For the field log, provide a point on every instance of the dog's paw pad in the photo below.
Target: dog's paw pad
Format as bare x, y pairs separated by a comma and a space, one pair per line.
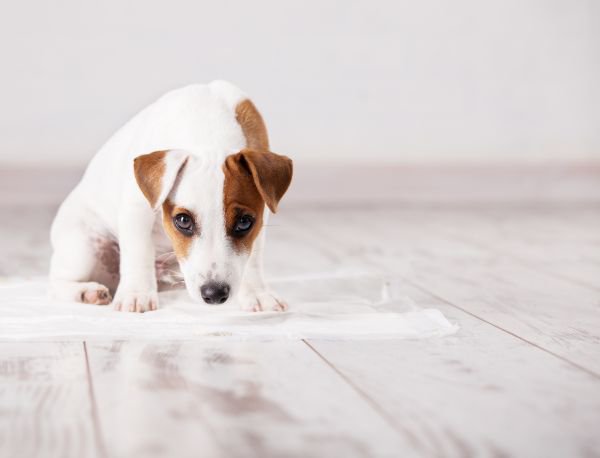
135, 302
97, 295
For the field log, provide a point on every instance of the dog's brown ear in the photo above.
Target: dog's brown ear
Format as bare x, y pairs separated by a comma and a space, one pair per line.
271, 172
157, 172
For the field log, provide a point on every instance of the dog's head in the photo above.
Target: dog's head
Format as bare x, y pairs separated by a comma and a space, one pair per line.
213, 212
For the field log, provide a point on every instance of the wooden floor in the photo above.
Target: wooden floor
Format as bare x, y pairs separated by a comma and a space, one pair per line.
520, 378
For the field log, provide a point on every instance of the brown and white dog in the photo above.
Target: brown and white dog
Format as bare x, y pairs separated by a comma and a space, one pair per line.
180, 194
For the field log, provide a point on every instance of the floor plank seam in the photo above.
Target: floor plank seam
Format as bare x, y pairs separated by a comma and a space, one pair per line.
523, 262
550, 352
361, 393
95, 417
326, 237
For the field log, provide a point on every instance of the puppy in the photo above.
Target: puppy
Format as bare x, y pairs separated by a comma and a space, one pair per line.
179, 195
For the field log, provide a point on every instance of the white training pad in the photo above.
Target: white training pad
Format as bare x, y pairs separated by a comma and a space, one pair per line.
367, 308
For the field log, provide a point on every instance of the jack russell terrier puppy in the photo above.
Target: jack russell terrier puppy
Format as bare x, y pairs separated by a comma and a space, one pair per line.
180, 194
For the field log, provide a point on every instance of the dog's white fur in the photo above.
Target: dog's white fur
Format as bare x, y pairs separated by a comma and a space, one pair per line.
107, 210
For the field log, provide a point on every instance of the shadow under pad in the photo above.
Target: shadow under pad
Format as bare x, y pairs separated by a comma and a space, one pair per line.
321, 307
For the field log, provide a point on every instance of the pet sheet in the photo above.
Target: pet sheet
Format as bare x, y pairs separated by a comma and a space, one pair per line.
324, 306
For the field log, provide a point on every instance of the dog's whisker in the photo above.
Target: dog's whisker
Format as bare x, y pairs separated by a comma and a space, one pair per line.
167, 255
177, 272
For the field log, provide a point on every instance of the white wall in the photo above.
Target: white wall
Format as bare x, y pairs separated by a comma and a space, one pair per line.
398, 81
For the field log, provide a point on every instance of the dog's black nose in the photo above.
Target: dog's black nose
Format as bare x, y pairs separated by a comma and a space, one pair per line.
214, 292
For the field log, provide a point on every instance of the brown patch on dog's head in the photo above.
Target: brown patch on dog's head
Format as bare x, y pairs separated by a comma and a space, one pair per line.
252, 125
253, 179
181, 242
240, 197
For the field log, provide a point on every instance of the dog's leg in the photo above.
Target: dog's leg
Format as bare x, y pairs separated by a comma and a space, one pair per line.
74, 259
137, 291
254, 293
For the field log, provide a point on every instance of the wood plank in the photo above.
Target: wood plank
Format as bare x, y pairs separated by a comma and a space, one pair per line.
480, 392
561, 242
555, 314
25, 240
231, 399
551, 313
45, 405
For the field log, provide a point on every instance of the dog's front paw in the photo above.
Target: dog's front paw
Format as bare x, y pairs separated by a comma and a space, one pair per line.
262, 301
135, 301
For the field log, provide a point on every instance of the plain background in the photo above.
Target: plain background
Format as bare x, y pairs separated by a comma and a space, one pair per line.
467, 81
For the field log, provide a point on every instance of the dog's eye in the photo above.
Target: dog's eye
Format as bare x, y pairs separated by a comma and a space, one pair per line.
184, 223
243, 224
